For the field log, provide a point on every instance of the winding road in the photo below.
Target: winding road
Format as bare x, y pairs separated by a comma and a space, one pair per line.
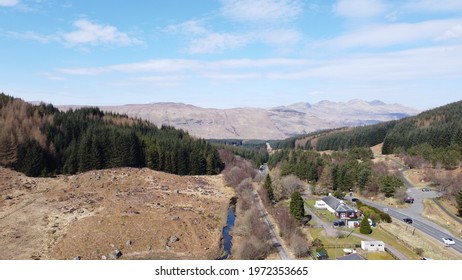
415, 210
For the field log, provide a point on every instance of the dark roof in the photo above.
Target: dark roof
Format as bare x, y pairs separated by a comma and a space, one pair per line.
352, 257
337, 204
331, 201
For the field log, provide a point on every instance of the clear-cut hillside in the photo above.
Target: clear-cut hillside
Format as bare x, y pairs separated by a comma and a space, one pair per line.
258, 123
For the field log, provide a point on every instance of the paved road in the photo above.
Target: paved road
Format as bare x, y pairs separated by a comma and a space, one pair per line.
420, 223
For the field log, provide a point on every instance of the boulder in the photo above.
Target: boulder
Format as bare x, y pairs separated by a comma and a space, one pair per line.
115, 254
172, 240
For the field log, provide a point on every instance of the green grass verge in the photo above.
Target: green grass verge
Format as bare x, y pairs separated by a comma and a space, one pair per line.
324, 215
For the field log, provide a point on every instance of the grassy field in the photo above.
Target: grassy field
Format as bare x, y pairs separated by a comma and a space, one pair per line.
377, 234
323, 214
379, 256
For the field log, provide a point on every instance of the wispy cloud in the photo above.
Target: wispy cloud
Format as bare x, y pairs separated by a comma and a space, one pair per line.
86, 33
414, 64
385, 35
9, 3
359, 9
233, 76
89, 33
454, 33
433, 5
29, 35
185, 65
261, 10
202, 40
164, 80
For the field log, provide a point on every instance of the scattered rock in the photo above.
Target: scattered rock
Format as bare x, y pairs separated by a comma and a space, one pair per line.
165, 188
115, 254
177, 191
103, 257
112, 245
172, 240
8, 197
129, 243
175, 218
78, 258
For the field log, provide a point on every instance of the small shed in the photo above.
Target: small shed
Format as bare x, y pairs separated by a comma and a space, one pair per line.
373, 246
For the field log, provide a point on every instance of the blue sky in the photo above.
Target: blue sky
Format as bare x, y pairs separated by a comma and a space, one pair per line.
232, 53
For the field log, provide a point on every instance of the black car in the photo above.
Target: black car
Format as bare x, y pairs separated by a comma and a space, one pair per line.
339, 223
407, 220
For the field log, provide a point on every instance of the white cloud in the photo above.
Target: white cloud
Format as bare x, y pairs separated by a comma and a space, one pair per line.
359, 9
280, 36
232, 76
28, 35
86, 33
202, 40
187, 65
420, 64
378, 36
261, 10
433, 5
216, 42
95, 34
453, 33
190, 27
157, 80
8, 3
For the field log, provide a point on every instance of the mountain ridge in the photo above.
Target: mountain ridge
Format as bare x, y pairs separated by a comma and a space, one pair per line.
262, 123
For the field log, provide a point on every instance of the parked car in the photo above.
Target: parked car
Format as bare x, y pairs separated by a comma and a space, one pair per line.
354, 199
426, 190
339, 223
448, 241
407, 220
409, 199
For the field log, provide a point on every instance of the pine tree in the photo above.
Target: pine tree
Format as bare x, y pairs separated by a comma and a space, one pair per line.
268, 185
297, 209
459, 202
364, 226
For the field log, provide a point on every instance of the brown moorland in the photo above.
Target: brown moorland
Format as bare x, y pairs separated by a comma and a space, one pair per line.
143, 213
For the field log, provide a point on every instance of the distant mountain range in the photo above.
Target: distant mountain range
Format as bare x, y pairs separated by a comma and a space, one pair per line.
258, 123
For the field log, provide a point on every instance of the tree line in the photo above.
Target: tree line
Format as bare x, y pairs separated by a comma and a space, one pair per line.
435, 135
88, 139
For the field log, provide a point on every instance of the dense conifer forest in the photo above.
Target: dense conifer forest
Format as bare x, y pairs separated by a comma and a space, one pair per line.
40, 140
435, 135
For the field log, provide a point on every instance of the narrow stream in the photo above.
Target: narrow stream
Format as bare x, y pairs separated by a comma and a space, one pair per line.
227, 239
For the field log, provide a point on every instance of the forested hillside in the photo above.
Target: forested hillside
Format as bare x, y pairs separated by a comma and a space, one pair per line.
42, 141
435, 135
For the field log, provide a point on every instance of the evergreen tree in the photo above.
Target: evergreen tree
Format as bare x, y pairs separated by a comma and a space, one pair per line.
459, 202
364, 226
268, 185
389, 184
297, 208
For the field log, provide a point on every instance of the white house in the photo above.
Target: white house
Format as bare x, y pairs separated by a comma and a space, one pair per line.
337, 207
373, 246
